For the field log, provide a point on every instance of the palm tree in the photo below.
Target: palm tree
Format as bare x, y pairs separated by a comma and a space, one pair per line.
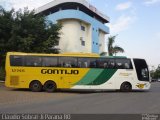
113, 49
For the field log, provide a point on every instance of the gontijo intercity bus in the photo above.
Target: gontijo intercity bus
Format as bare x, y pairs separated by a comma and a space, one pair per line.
78, 71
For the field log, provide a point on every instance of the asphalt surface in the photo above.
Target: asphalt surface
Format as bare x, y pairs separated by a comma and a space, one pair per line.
25, 101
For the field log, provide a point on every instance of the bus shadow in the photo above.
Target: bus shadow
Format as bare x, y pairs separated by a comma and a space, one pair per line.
58, 91
21, 90
81, 91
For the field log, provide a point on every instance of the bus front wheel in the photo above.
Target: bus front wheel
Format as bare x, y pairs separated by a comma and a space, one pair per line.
50, 86
35, 86
126, 87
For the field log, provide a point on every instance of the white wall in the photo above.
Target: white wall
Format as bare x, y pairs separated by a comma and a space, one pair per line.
70, 36
102, 43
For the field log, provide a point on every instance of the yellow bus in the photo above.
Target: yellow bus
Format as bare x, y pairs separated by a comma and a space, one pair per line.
50, 72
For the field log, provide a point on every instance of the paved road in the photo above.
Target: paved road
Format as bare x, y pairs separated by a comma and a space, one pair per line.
25, 101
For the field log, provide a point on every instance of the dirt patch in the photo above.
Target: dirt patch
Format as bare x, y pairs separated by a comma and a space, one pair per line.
1, 83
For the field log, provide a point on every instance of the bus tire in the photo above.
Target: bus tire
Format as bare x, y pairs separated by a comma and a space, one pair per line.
35, 86
126, 87
50, 86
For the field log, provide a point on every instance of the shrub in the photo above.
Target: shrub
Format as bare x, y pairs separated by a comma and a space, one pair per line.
2, 73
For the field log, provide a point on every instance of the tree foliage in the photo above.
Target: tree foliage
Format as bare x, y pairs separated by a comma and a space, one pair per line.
155, 74
23, 31
113, 49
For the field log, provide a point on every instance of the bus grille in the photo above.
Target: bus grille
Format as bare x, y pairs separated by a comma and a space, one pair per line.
14, 80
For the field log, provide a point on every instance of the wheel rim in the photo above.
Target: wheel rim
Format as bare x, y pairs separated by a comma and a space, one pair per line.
35, 86
50, 86
127, 87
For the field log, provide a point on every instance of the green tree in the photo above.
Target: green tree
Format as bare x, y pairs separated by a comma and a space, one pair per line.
6, 22
156, 74
23, 31
113, 49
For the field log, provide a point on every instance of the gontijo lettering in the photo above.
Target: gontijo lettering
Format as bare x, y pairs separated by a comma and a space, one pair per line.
59, 71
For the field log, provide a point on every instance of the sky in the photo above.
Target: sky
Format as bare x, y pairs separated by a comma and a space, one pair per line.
135, 22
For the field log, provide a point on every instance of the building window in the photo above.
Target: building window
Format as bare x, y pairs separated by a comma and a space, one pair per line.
82, 28
83, 43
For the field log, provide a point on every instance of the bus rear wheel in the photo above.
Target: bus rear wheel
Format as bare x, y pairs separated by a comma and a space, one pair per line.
126, 87
35, 86
50, 86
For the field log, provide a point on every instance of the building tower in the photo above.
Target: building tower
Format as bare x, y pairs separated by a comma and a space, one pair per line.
83, 28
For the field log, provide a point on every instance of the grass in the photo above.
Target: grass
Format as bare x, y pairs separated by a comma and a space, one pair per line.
2, 73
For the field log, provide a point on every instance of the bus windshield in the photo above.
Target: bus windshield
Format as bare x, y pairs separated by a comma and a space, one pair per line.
141, 69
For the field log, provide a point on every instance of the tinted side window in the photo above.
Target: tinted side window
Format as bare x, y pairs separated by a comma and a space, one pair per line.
111, 63
128, 64
103, 63
68, 62
33, 61
87, 62
49, 61
16, 60
123, 64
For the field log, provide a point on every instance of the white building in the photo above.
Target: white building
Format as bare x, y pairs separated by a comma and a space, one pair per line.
83, 28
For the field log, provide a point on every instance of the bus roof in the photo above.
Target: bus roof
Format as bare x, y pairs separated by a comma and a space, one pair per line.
65, 54
61, 54
114, 56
